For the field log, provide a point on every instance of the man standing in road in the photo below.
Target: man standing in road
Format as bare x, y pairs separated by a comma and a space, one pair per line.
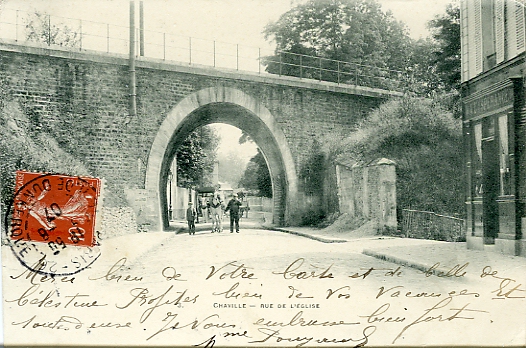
233, 206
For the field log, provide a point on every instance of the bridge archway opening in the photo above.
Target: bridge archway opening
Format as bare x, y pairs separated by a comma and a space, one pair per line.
236, 168
233, 107
242, 119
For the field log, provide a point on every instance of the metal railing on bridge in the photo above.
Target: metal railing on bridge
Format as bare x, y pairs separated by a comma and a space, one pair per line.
429, 225
55, 31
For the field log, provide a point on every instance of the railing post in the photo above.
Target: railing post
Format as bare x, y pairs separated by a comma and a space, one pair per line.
107, 38
410, 223
237, 56
301, 66
16, 26
259, 60
164, 46
356, 74
338, 72
214, 53
190, 49
49, 30
320, 68
80, 29
280, 63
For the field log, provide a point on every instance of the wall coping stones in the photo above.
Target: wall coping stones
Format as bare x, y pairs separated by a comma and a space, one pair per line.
350, 164
159, 64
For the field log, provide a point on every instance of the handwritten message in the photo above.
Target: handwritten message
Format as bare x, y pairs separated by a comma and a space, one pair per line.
290, 302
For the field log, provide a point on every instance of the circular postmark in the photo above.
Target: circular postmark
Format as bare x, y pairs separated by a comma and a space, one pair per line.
50, 225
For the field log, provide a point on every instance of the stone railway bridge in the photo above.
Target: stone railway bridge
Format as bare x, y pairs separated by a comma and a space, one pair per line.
83, 99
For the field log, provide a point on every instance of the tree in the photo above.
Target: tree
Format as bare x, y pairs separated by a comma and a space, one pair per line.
196, 157
425, 141
244, 138
355, 31
422, 68
257, 177
40, 28
445, 30
231, 168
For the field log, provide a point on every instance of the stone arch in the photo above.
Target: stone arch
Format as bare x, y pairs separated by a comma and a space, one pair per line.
234, 107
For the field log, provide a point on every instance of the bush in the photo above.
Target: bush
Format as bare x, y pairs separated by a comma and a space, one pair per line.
425, 141
25, 147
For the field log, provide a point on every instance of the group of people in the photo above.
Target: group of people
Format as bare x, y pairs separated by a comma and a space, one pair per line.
217, 209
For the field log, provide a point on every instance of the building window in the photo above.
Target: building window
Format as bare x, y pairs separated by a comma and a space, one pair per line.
488, 33
488, 127
492, 31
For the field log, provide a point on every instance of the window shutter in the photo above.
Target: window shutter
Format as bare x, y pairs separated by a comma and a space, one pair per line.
476, 31
499, 31
464, 40
519, 19
511, 28
474, 36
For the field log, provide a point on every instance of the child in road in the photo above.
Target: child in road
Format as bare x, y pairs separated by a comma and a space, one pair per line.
190, 218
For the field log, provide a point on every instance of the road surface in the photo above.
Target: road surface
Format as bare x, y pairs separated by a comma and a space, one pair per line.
256, 288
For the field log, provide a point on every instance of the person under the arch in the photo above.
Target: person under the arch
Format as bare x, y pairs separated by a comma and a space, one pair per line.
190, 218
216, 209
233, 206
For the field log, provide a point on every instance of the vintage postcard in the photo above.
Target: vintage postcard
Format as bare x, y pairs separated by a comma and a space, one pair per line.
262, 173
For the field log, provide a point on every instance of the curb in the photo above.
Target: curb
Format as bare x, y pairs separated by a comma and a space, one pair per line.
306, 235
421, 266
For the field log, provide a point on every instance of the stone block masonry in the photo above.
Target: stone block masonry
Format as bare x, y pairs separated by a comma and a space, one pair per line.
369, 191
82, 99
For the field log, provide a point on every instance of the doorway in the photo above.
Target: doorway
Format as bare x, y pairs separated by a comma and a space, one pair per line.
491, 188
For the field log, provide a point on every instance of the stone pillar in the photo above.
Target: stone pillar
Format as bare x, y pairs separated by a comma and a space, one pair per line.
369, 191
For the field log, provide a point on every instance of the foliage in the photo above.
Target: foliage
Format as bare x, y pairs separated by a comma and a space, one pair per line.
40, 28
355, 31
196, 157
25, 147
231, 168
422, 68
359, 32
244, 138
445, 30
313, 171
257, 176
425, 141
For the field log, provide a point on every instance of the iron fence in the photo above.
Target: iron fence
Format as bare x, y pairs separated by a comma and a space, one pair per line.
429, 225
55, 31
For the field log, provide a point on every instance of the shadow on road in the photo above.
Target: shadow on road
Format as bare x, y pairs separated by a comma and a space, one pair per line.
179, 226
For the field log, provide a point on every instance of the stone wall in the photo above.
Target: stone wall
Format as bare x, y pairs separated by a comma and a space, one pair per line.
117, 222
369, 191
82, 101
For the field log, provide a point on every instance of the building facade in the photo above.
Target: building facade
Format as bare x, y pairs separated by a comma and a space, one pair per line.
494, 122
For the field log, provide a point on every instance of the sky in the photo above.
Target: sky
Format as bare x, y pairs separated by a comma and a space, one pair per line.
234, 21
226, 21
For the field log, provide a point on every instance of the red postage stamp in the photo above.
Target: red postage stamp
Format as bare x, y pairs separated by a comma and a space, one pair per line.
55, 209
